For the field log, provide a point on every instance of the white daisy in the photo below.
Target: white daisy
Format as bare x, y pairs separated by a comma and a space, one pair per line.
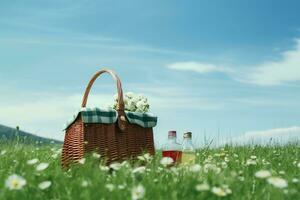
263, 174
81, 161
137, 192
42, 166
295, 180
103, 168
115, 166
110, 187
195, 168
96, 155
15, 182
139, 170
32, 161
277, 182
220, 192
3, 152
84, 183
202, 187
44, 185
165, 161
250, 162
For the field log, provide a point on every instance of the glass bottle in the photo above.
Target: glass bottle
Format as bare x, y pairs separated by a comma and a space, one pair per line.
188, 150
172, 148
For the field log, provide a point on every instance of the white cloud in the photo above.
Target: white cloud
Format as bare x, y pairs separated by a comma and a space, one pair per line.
287, 69
268, 73
278, 135
197, 67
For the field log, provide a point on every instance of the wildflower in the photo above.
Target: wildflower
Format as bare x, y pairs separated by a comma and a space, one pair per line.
110, 187
277, 182
253, 157
211, 167
121, 187
15, 182
96, 155
137, 192
235, 155
140, 170
42, 166
115, 166
84, 183
103, 168
3, 152
146, 157
195, 168
55, 155
295, 180
202, 187
281, 172
298, 165
219, 191
81, 161
32, 161
250, 162
263, 174
44, 185
165, 161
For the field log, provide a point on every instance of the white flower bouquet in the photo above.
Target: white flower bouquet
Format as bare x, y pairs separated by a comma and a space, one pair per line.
133, 102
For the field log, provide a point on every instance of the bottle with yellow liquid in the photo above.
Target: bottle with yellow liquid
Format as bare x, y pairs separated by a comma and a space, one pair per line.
188, 150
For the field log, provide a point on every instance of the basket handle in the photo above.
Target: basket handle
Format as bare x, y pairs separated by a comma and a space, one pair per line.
120, 106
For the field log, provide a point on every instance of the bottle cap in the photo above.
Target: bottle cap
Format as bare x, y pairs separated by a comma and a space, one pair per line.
172, 134
187, 135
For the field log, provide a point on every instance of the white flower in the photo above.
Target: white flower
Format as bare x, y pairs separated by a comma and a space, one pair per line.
253, 157
281, 172
15, 182
263, 174
121, 187
146, 157
277, 182
96, 155
81, 161
137, 192
44, 185
295, 180
115, 166
211, 167
3, 152
32, 161
103, 168
42, 166
251, 162
202, 187
165, 161
139, 170
219, 191
195, 168
84, 183
110, 187
298, 165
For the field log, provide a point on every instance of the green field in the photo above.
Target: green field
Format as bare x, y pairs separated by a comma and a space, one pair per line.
223, 173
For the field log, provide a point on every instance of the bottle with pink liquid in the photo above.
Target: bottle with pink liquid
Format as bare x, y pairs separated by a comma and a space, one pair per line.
172, 149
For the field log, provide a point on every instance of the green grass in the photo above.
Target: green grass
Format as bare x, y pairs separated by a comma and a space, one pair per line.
159, 182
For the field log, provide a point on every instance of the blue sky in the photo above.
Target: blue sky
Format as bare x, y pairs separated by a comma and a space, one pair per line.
223, 69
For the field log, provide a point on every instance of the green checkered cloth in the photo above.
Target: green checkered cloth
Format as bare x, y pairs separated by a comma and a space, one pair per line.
109, 116
146, 120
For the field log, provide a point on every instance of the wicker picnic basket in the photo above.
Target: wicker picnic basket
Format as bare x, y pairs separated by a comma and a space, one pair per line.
115, 140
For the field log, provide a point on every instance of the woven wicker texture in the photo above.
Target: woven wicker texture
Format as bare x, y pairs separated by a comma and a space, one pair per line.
114, 142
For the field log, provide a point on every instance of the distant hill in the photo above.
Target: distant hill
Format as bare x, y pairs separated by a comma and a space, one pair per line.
7, 133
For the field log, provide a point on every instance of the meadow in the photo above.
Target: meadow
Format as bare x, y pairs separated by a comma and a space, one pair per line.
32, 171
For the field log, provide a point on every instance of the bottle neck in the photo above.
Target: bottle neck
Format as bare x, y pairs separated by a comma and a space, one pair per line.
172, 139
